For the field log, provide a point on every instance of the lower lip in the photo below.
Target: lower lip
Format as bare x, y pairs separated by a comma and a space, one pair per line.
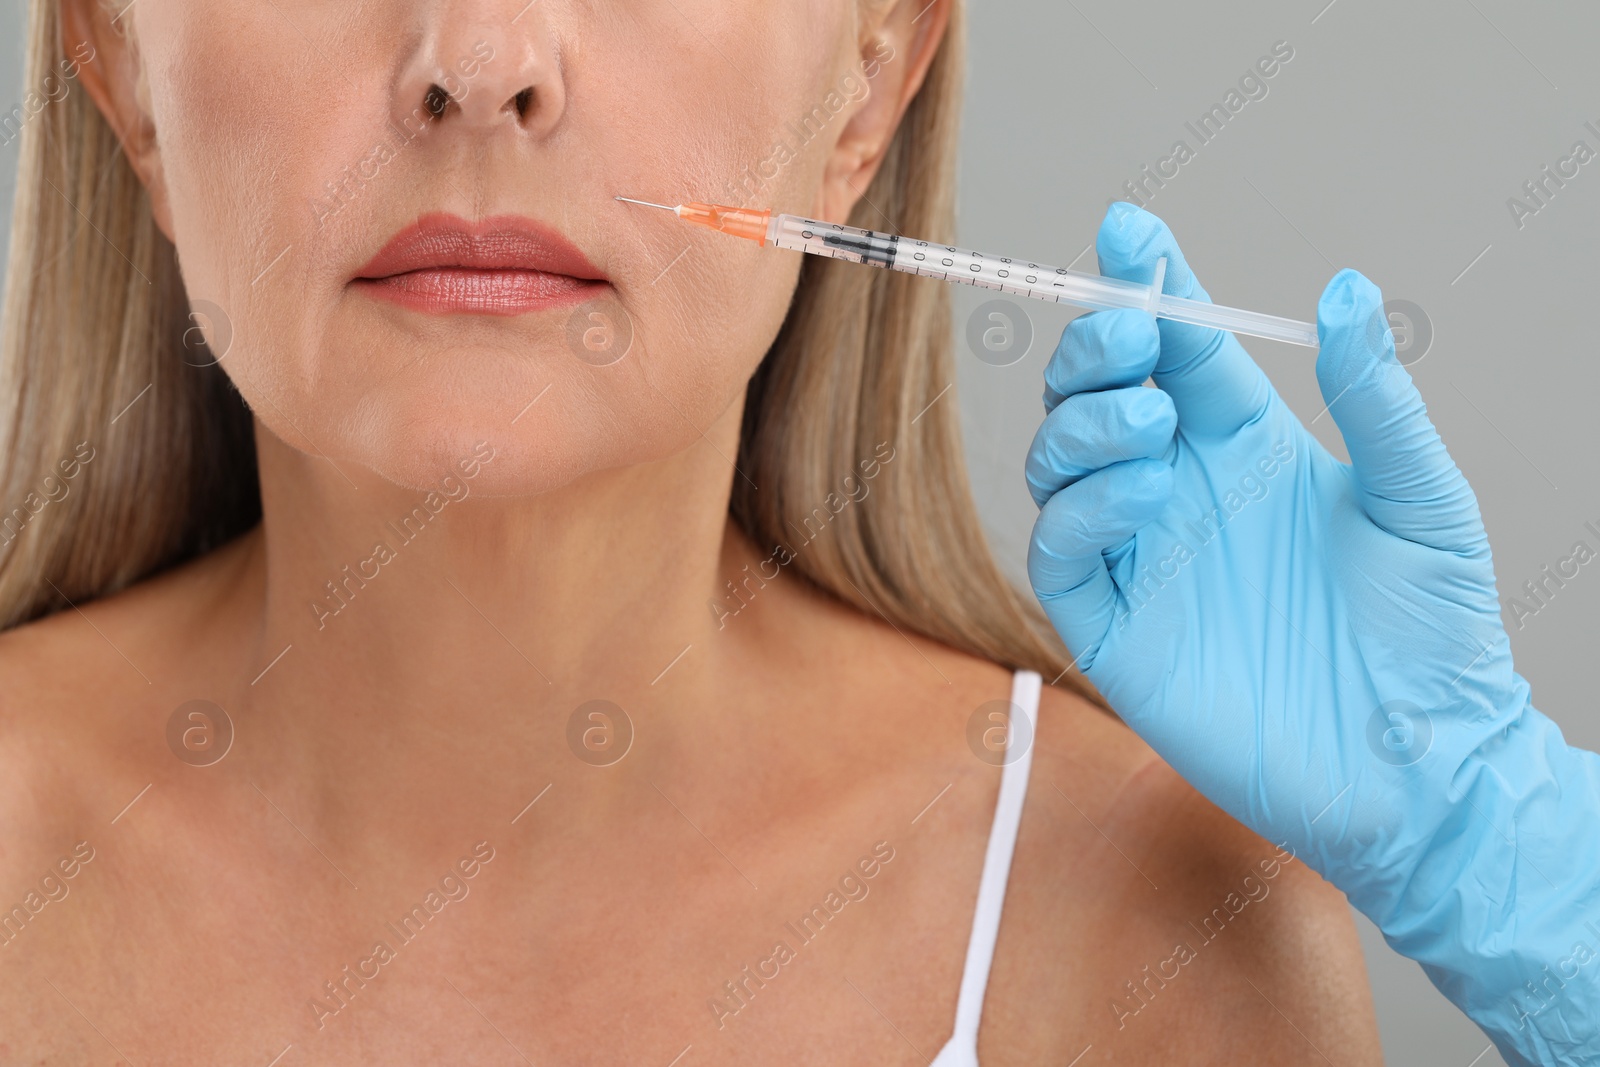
457, 291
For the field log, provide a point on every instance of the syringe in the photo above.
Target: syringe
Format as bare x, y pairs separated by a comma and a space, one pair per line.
951, 264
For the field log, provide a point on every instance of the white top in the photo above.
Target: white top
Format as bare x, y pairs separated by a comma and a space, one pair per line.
962, 1048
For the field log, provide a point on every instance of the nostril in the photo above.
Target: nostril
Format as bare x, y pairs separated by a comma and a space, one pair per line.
436, 100
522, 101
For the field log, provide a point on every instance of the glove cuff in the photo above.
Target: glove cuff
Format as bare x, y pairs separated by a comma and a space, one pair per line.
1502, 905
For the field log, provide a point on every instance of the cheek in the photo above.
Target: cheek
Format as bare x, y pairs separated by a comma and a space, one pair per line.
726, 123
251, 124
257, 126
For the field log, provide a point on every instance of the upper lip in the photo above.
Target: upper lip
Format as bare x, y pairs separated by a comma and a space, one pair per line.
441, 241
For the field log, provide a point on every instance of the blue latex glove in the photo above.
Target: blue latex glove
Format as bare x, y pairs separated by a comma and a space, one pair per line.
1317, 646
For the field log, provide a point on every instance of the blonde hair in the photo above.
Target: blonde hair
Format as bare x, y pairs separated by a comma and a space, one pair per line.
94, 350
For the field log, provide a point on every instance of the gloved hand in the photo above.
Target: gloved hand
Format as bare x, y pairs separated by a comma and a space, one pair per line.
1317, 646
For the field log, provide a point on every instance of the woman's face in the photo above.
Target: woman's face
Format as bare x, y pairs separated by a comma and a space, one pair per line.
399, 273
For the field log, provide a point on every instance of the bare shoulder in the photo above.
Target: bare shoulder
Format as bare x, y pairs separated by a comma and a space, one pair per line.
84, 694
50, 692
52, 706
77, 688
1189, 937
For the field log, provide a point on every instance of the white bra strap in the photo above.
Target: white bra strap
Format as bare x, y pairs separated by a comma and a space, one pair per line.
1025, 688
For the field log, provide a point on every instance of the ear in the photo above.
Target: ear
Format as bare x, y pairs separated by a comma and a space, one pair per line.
100, 44
898, 45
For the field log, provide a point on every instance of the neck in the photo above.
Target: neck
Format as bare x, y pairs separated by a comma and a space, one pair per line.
450, 608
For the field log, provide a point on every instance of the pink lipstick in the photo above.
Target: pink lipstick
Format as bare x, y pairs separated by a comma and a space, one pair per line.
506, 265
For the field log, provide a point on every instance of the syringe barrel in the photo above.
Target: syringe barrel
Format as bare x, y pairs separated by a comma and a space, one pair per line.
833, 240
1036, 281
949, 263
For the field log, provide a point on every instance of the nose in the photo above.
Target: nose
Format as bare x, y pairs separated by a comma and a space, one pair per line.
484, 64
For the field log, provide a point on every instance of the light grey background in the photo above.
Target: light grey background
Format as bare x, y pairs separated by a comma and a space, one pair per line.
1391, 143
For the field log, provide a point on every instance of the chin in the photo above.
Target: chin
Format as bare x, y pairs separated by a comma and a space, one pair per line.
416, 438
